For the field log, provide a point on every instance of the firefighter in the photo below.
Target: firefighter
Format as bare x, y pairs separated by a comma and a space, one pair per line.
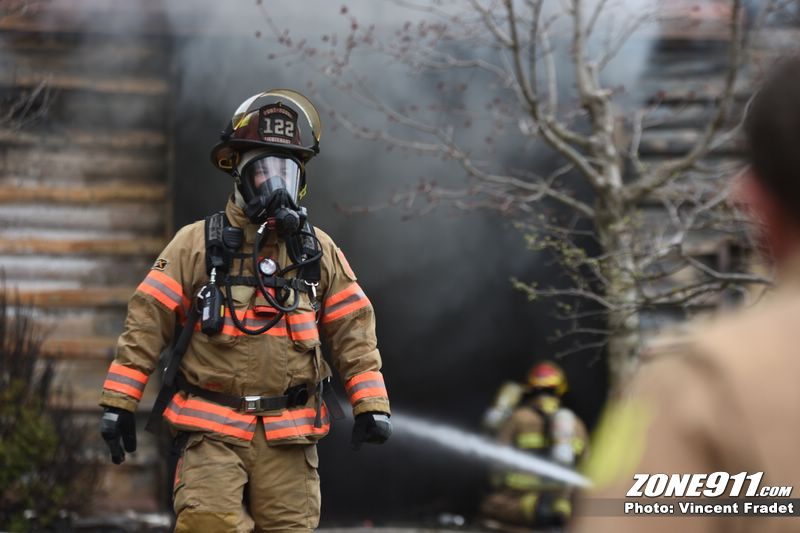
722, 397
542, 426
251, 290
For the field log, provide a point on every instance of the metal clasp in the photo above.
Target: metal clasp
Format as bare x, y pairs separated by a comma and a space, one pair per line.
313, 287
251, 404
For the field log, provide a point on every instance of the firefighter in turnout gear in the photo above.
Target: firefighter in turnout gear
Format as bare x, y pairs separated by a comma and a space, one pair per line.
539, 425
720, 394
251, 291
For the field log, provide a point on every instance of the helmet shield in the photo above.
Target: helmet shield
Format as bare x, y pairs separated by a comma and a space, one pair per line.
268, 174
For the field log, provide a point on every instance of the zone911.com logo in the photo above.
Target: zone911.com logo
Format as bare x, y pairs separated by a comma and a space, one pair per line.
706, 485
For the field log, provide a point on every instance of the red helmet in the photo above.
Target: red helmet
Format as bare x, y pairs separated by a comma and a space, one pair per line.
273, 125
547, 375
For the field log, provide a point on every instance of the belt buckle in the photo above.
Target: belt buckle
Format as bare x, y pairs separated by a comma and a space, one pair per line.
250, 404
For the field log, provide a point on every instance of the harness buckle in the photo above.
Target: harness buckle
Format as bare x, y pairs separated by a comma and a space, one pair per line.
251, 404
313, 287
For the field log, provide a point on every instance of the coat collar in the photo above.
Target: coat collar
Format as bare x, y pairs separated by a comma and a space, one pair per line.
237, 218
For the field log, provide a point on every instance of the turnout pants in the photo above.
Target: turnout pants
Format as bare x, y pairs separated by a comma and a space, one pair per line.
221, 488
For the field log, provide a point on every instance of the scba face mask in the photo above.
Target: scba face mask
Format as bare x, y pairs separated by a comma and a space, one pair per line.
270, 185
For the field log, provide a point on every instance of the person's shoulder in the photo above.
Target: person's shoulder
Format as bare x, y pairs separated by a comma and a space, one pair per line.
324, 239
191, 233
764, 331
738, 347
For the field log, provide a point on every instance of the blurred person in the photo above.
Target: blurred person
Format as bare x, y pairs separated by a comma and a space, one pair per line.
542, 426
250, 289
721, 400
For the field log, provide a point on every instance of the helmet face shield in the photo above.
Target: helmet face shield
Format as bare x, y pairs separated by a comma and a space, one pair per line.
264, 176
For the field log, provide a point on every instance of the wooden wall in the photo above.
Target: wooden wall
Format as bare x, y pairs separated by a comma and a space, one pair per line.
84, 201
683, 79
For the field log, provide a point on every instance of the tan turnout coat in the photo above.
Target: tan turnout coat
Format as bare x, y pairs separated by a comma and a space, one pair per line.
238, 364
722, 399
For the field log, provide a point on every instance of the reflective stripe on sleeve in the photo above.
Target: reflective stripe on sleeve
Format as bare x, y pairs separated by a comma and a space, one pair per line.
126, 380
166, 290
344, 302
198, 414
295, 423
366, 385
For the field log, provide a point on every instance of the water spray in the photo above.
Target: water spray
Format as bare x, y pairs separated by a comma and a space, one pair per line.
479, 447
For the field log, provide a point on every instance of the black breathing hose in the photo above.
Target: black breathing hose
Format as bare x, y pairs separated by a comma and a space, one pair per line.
316, 257
262, 288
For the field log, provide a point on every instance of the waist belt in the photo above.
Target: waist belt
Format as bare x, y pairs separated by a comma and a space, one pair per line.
297, 395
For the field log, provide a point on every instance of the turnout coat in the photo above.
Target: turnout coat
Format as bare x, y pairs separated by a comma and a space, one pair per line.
237, 364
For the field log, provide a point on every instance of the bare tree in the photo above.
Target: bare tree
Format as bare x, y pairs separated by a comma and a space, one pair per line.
621, 225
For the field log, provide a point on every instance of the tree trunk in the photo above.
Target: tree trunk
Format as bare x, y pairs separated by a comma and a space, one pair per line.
615, 233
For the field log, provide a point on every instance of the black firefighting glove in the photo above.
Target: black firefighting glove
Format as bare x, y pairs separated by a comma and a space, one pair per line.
115, 424
373, 427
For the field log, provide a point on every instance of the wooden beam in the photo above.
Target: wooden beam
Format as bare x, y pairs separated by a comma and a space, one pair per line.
148, 247
183, 17
91, 297
84, 194
30, 164
128, 139
118, 85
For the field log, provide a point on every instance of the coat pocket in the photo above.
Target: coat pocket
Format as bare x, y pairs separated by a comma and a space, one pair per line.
302, 325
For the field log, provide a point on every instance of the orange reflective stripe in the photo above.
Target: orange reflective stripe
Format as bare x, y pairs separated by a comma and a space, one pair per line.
253, 321
341, 295
368, 393
124, 388
158, 295
128, 372
344, 302
366, 385
346, 310
305, 335
126, 380
171, 284
166, 290
302, 318
303, 326
364, 376
202, 405
295, 423
298, 431
199, 414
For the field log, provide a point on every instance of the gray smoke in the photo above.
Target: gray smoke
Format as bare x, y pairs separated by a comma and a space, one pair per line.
451, 328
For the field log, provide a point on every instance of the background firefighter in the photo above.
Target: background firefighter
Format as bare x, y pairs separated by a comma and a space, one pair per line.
539, 425
252, 291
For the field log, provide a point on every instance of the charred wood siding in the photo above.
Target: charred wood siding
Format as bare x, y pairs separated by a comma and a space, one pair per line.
84, 201
682, 83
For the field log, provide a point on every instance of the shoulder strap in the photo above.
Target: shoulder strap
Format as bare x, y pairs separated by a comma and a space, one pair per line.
312, 272
215, 247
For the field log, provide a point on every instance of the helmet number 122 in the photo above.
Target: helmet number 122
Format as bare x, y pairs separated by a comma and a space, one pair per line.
279, 126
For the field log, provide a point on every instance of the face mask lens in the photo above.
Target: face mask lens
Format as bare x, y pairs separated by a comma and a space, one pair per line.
270, 173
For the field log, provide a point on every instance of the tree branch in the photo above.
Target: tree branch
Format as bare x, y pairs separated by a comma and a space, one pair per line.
667, 171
